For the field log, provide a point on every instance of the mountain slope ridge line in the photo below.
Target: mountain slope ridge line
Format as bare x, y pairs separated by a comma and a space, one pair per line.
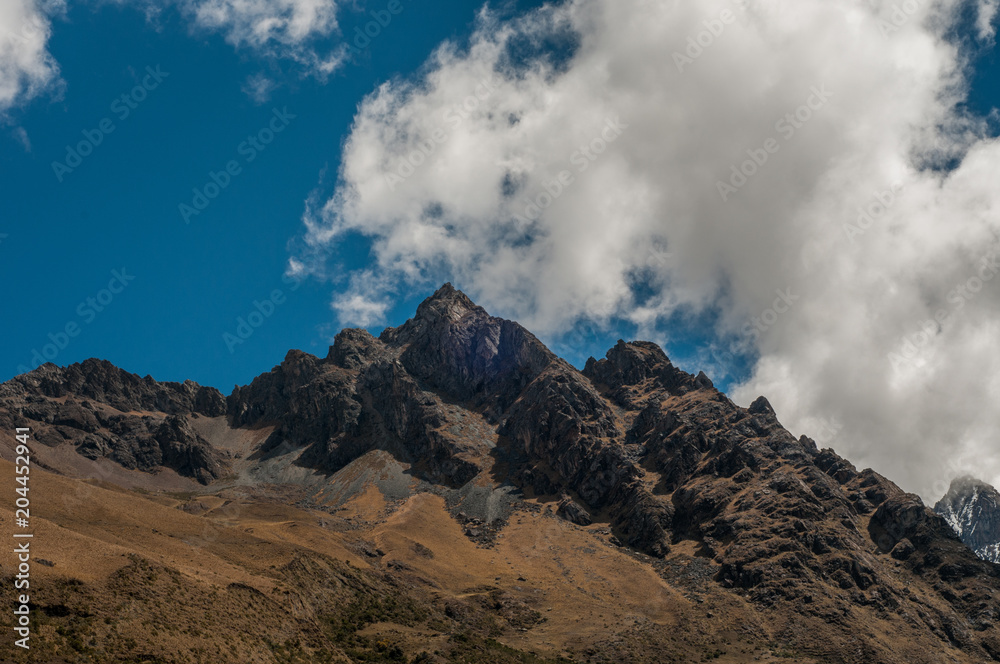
476, 410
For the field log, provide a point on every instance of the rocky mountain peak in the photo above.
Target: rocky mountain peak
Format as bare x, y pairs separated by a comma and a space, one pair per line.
353, 348
631, 369
447, 301
475, 409
972, 508
761, 406
447, 306
628, 363
966, 484
456, 346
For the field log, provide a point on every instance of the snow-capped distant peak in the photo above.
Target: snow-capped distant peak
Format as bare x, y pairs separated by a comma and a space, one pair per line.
972, 509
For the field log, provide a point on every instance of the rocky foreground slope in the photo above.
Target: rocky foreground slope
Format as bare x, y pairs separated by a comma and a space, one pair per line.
788, 550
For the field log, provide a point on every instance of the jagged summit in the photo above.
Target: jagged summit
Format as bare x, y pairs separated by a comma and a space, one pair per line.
475, 411
447, 304
967, 483
972, 508
104, 382
448, 299
456, 346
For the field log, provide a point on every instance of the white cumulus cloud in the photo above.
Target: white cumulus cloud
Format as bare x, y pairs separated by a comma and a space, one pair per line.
681, 157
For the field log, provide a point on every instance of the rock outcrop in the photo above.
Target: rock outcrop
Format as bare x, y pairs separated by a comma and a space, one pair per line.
972, 509
473, 403
104, 411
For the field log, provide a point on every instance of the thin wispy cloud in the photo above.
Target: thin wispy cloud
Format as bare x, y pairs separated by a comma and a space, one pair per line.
22, 137
282, 28
27, 69
300, 31
259, 88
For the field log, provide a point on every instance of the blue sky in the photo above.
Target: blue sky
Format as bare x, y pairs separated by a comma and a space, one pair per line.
102, 261
119, 208
194, 277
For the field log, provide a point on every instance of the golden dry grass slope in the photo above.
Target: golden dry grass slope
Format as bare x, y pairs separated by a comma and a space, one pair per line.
142, 577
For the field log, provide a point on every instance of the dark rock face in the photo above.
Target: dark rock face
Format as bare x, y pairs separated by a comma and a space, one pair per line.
106, 412
357, 399
972, 509
146, 443
101, 381
900, 517
571, 511
458, 349
659, 455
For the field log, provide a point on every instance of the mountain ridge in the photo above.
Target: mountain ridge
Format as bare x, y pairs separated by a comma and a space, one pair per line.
475, 410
